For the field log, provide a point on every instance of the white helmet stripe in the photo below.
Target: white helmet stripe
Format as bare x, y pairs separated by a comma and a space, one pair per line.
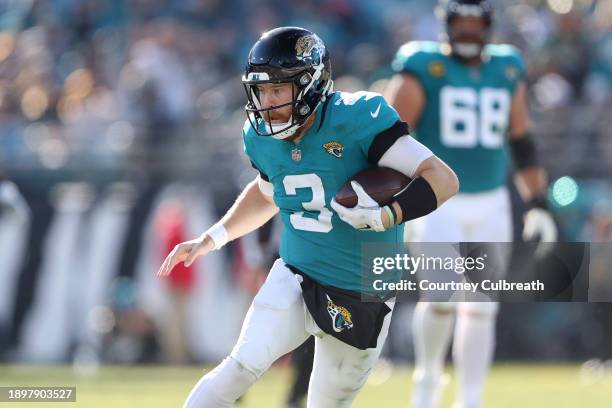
258, 76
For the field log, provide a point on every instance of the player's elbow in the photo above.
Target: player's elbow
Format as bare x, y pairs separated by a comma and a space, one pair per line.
448, 184
453, 182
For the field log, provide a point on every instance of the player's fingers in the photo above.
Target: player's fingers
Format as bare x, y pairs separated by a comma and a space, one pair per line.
549, 228
177, 255
163, 268
539, 223
529, 229
166, 266
339, 209
363, 198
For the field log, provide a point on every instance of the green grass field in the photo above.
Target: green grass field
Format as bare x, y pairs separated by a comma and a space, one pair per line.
522, 386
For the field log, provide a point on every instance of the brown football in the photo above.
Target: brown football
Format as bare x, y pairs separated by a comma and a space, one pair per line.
381, 183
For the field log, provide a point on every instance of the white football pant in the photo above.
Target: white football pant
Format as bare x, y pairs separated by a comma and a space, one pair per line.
277, 322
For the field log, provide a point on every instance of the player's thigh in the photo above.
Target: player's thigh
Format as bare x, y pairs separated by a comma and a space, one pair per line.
340, 370
494, 222
494, 233
434, 238
274, 324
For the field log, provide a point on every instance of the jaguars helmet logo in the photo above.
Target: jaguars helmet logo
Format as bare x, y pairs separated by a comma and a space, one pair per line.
334, 148
310, 46
341, 318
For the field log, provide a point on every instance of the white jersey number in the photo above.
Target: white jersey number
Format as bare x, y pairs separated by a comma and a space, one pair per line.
323, 222
469, 118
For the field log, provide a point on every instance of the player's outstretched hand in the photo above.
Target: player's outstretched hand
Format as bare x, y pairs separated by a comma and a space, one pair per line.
366, 215
186, 252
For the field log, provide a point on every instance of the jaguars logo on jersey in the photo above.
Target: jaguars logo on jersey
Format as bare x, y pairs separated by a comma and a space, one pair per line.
436, 69
334, 148
341, 317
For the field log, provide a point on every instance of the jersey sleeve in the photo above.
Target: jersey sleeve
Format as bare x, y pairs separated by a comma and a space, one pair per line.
513, 64
250, 150
520, 64
514, 58
411, 59
374, 121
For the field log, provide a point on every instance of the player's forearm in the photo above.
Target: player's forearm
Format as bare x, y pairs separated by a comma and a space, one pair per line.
250, 211
434, 183
531, 182
442, 179
530, 176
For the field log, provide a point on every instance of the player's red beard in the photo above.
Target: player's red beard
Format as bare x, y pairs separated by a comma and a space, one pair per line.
275, 117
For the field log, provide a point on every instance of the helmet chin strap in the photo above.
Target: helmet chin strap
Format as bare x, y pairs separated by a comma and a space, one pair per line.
278, 127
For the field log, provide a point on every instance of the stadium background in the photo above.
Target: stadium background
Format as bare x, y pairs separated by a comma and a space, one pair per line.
120, 124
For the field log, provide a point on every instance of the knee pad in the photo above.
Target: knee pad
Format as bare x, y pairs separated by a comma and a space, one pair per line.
338, 373
479, 309
222, 386
254, 362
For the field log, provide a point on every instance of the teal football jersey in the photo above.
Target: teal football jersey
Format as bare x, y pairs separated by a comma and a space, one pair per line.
306, 177
467, 110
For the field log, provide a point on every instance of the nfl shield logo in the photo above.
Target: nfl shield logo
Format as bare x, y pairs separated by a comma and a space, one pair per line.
296, 154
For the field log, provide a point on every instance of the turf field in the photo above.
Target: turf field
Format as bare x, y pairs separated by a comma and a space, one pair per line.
522, 386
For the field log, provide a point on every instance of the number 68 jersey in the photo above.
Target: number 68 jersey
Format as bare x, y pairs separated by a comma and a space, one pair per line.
306, 176
467, 109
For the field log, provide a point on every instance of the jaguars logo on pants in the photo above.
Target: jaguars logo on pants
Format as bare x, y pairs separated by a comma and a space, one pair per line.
341, 317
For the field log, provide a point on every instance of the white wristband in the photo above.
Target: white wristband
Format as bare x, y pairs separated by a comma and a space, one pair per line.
218, 234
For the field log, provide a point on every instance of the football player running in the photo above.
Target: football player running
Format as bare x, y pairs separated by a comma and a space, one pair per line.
306, 141
467, 102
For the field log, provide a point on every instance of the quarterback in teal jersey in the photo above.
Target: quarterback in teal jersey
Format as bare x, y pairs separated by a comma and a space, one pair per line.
466, 100
306, 141
305, 176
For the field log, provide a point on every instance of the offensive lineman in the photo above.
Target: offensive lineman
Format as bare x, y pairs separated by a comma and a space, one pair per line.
463, 97
306, 141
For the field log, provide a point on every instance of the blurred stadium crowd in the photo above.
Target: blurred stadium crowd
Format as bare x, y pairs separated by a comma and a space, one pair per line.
120, 124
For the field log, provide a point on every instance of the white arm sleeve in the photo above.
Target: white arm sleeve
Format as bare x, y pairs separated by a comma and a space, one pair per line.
265, 186
405, 155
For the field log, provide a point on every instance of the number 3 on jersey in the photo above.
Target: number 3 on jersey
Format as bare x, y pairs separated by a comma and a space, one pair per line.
470, 117
323, 221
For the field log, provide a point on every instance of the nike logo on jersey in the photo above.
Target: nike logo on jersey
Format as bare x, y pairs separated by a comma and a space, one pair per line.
375, 113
